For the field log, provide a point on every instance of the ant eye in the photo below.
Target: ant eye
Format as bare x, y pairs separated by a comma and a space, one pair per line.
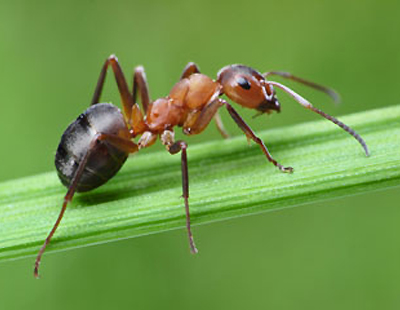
243, 83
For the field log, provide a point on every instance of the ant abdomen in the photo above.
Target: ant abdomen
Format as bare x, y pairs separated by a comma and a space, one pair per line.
102, 164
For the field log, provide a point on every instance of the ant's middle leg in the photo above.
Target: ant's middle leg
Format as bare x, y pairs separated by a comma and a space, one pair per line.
121, 82
131, 109
167, 138
251, 135
140, 82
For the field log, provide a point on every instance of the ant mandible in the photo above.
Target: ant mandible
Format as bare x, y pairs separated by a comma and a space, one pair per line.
95, 146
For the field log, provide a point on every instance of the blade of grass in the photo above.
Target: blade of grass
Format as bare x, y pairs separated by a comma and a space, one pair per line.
227, 179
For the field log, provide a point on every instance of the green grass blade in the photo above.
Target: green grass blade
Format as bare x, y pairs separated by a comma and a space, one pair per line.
227, 179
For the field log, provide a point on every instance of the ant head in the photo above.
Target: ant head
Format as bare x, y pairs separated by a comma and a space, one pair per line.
248, 88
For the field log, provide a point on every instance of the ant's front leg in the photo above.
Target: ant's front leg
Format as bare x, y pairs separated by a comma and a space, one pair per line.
251, 135
167, 138
199, 120
220, 126
192, 68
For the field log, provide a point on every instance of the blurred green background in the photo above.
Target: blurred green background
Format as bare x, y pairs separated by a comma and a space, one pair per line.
342, 254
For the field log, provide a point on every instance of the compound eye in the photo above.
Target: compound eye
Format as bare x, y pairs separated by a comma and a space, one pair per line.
243, 83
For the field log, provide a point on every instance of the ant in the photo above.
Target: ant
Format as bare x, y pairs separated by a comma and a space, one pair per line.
95, 146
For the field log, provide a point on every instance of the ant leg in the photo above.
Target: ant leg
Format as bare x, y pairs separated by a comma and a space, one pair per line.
329, 91
121, 82
167, 138
220, 126
251, 135
199, 120
123, 144
147, 139
190, 69
140, 81
131, 109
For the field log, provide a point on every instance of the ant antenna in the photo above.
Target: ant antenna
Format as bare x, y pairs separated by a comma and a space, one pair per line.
329, 91
305, 103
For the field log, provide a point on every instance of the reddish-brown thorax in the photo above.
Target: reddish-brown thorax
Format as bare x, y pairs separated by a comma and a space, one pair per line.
186, 98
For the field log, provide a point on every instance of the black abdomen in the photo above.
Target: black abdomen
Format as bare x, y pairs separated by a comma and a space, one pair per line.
105, 161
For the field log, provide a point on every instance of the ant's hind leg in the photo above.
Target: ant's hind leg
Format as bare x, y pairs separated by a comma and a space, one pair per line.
121, 143
251, 135
121, 82
131, 109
